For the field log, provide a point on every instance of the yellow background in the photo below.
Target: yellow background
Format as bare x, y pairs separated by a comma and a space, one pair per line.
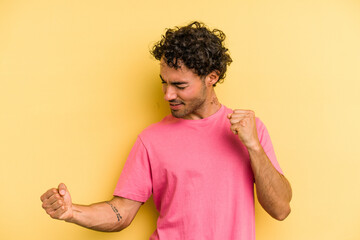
77, 84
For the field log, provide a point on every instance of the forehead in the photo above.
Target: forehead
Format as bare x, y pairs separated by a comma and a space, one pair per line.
181, 73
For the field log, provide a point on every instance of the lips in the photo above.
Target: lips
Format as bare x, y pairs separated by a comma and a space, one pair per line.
176, 106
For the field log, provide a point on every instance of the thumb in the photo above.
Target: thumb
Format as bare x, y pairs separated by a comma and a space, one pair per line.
229, 115
62, 189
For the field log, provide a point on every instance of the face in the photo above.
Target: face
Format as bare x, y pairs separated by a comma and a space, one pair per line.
185, 91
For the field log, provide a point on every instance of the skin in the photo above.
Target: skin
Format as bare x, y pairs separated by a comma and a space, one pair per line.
110, 216
190, 97
273, 189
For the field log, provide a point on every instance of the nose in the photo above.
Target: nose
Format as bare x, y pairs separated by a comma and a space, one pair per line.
169, 93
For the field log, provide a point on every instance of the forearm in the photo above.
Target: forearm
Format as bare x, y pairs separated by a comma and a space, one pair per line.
104, 216
273, 190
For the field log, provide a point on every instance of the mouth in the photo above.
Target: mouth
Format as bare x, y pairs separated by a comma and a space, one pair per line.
176, 106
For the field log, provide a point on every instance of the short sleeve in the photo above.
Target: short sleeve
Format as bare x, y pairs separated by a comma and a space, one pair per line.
135, 180
266, 143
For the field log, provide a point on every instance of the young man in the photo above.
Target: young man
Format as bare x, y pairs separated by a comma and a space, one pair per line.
200, 163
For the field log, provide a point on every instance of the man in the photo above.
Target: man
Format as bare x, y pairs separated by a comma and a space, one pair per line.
200, 163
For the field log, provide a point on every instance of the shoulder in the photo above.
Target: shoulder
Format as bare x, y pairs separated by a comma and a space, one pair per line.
158, 128
227, 110
262, 131
259, 123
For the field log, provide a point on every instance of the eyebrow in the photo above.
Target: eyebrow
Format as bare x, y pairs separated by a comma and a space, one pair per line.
174, 83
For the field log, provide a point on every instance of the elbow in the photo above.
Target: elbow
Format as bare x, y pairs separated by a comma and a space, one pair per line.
283, 214
112, 228
121, 226
125, 221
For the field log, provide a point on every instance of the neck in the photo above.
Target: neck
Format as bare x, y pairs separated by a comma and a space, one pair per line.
208, 108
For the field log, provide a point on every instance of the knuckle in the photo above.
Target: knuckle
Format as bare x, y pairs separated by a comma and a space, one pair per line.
56, 197
56, 205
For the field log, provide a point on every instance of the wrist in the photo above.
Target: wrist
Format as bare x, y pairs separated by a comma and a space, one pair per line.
71, 218
255, 147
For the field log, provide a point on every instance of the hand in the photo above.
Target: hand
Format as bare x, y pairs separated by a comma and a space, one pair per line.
57, 203
243, 124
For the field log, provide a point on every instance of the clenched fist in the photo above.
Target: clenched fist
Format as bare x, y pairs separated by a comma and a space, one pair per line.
243, 124
57, 203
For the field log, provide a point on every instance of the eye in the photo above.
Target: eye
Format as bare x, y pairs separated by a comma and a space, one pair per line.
181, 88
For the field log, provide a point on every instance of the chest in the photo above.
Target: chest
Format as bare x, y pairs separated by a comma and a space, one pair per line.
199, 158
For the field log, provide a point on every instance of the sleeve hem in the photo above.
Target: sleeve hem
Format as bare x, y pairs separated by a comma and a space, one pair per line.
131, 196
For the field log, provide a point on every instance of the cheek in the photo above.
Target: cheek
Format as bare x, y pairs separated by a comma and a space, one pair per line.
187, 94
195, 91
190, 93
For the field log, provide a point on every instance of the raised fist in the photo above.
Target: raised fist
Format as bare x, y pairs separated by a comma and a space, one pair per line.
57, 203
243, 124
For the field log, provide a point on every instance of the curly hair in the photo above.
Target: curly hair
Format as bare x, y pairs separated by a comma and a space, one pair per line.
195, 46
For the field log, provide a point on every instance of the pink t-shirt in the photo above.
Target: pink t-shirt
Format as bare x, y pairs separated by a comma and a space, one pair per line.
200, 176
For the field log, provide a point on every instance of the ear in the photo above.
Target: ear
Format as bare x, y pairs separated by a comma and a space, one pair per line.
212, 78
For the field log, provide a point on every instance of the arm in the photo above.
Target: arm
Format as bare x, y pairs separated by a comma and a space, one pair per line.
273, 189
110, 216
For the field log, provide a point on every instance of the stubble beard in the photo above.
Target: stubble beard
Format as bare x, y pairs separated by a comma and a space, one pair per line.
192, 106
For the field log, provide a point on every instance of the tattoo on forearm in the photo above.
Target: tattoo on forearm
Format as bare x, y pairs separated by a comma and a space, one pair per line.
119, 217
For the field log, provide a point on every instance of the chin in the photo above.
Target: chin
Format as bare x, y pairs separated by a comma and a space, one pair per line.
178, 114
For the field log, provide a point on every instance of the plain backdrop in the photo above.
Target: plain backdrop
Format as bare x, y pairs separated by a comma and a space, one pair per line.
77, 84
